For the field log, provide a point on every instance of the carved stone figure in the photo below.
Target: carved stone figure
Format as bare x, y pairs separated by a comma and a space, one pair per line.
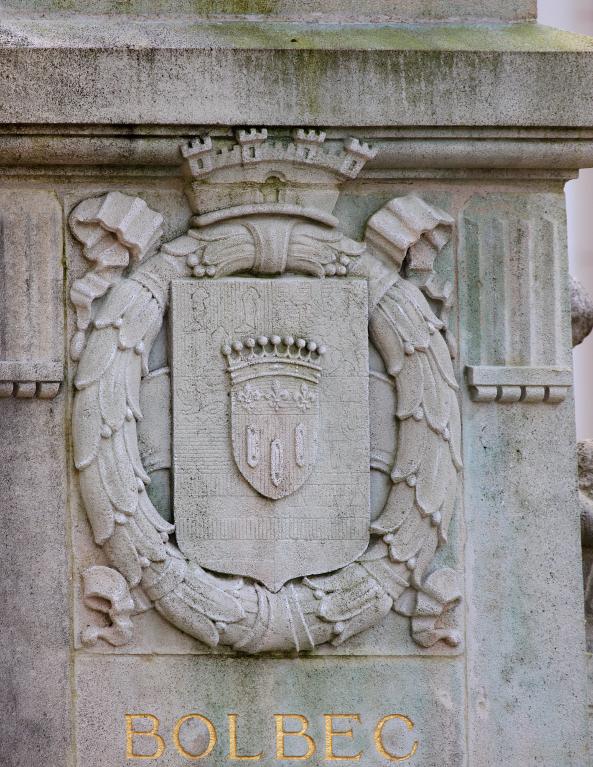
581, 310
271, 309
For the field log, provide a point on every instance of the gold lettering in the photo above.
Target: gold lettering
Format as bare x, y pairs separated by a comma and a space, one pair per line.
330, 734
378, 738
281, 734
233, 743
211, 738
131, 733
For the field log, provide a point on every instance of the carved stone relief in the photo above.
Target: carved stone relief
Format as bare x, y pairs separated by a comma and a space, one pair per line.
31, 290
581, 311
274, 547
513, 248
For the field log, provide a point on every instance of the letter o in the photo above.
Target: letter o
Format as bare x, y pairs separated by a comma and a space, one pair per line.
211, 733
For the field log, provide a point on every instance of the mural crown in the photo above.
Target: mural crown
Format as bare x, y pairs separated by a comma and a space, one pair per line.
260, 174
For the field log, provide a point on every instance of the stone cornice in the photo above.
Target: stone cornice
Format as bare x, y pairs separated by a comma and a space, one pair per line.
317, 75
428, 152
111, 11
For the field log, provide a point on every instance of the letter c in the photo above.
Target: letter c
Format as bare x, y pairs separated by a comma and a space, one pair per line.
378, 738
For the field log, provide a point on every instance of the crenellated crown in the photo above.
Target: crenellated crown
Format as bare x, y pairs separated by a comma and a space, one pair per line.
264, 356
261, 175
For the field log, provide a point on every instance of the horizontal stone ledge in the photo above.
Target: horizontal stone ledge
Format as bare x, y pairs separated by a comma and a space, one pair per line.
503, 375
11, 370
508, 384
402, 10
512, 79
29, 389
35, 379
409, 153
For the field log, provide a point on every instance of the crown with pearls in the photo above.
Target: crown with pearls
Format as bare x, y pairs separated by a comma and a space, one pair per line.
260, 357
257, 175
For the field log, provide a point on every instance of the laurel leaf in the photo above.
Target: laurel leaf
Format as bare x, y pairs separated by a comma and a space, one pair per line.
112, 391
116, 474
409, 384
410, 324
417, 298
393, 576
442, 358
120, 298
428, 471
97, 356
377, 549
99, 509
435, 395
342, 579
186, 618
420, 336
448, 505
387, 341
307, 250
145, 507
303, 265
425, 556
411, 446
133, 371
137, 319
399, 502
131, 439
214, 602
430, 486
455, 431
342, 605
373, 612
233, 253
146, 539
152, 332
123, 555
410, 537
86, 426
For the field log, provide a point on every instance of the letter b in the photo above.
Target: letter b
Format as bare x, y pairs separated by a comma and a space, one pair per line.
152, 733
281, 734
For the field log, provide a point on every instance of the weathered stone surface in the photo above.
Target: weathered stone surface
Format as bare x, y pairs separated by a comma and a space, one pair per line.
404, 10
275, 224
526, 611
298, 421
31, 294
470, 131
518, 458
34, 590
581, 309
426, 692
483, 76
516, 339
478, 152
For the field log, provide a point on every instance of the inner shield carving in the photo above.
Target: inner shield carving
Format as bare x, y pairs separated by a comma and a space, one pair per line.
274, 410
271, 425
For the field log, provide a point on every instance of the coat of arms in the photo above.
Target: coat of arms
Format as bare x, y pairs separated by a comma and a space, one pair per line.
274, 410
270, 430
279, 414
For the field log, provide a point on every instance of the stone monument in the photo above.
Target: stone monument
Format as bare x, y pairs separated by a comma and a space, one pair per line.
289, 466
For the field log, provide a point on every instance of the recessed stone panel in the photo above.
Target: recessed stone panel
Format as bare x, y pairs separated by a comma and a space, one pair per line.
407, 709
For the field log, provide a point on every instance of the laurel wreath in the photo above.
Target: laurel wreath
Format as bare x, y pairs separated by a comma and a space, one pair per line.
239, 612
